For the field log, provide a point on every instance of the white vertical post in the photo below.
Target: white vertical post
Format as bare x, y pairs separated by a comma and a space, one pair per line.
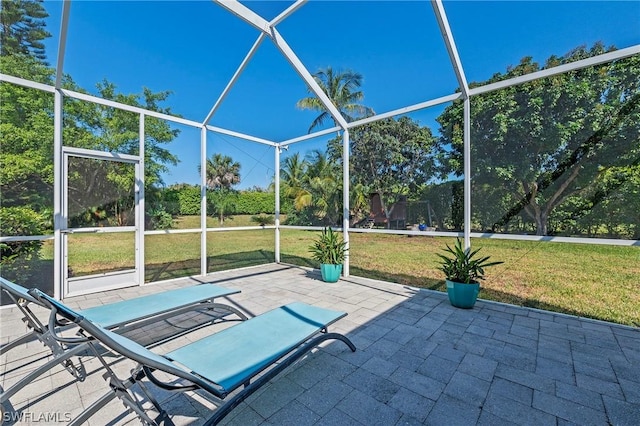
203, 200
58, 260
447, 35
277, 203
345, 198
140, 198
59, 263
467, 171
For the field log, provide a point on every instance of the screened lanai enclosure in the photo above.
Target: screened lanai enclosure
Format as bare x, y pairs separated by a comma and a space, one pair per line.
146, 141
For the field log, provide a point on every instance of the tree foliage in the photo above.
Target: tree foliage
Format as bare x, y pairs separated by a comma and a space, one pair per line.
26, 126
314, 184
293, 178
536, 146
98, 192
16, 256
221, 174
342, 88
392, 158
22, 28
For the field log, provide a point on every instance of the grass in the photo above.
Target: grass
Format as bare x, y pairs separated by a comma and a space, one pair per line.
592, 281
595, 281
193, 222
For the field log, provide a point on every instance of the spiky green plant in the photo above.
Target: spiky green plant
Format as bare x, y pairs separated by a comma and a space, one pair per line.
461, 267
329, 248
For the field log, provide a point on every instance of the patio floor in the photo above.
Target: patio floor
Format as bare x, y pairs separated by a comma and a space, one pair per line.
419, 361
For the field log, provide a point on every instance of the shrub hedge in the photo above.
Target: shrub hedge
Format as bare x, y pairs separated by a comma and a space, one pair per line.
185, 200
16, 255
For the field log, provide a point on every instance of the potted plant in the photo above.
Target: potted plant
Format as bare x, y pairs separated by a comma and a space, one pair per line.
329, 249
463, 272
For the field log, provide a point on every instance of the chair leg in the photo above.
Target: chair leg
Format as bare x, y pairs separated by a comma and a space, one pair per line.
19, 341
58, 359
93, 409
8, 414
138, 374
249, 389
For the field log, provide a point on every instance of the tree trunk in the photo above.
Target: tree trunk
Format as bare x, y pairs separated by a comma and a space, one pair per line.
542, 224
387, 213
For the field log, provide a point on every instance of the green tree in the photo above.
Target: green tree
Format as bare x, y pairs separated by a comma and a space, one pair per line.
22, 28
612, 202
536, 145
102, 128
222, 173
314, 184
16, 257
26, 126
446, 203
342, 88
293, 176
392, 158
26, 146
324, 179
26, 175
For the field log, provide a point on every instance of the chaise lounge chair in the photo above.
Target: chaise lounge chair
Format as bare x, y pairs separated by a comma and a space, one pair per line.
218, 364
120, 316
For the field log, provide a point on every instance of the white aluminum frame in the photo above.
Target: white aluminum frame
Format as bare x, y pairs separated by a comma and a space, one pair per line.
277, 202
268, 30
203, 200
63, 226
140, 247
447, 35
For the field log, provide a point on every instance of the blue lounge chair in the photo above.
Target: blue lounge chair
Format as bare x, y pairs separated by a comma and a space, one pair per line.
120, 316
246, 355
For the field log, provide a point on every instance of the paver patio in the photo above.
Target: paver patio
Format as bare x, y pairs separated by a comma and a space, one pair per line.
419, 361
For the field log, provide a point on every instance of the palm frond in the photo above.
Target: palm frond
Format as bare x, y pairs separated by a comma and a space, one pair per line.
461, 266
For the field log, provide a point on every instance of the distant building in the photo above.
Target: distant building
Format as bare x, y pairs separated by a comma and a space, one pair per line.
398, 217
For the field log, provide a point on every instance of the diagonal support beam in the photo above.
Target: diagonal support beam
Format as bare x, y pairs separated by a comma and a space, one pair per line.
261, 24
447, 35
246, 14
288, 11
233, 80
62, 43
308, 78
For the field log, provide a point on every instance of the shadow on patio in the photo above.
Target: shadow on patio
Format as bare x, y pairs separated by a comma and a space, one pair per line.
419, 361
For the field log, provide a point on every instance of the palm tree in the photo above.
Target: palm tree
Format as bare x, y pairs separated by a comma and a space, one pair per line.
325, 184
221, 174
293, 175
342, 88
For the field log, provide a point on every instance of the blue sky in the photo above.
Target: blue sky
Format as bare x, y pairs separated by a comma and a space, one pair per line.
193, 48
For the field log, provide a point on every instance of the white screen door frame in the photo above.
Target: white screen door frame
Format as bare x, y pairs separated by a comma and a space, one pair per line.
72, 284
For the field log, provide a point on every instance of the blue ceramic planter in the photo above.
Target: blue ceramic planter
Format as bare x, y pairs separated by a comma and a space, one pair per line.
330, 273
462, 295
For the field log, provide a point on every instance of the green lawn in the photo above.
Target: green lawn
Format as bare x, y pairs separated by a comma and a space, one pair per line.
581, 279
588, 280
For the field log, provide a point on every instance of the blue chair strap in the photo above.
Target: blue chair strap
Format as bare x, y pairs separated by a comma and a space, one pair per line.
233, 356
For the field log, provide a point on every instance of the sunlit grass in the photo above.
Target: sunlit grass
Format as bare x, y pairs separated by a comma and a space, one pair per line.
594, 281
94, 253
193, 222
581, 279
